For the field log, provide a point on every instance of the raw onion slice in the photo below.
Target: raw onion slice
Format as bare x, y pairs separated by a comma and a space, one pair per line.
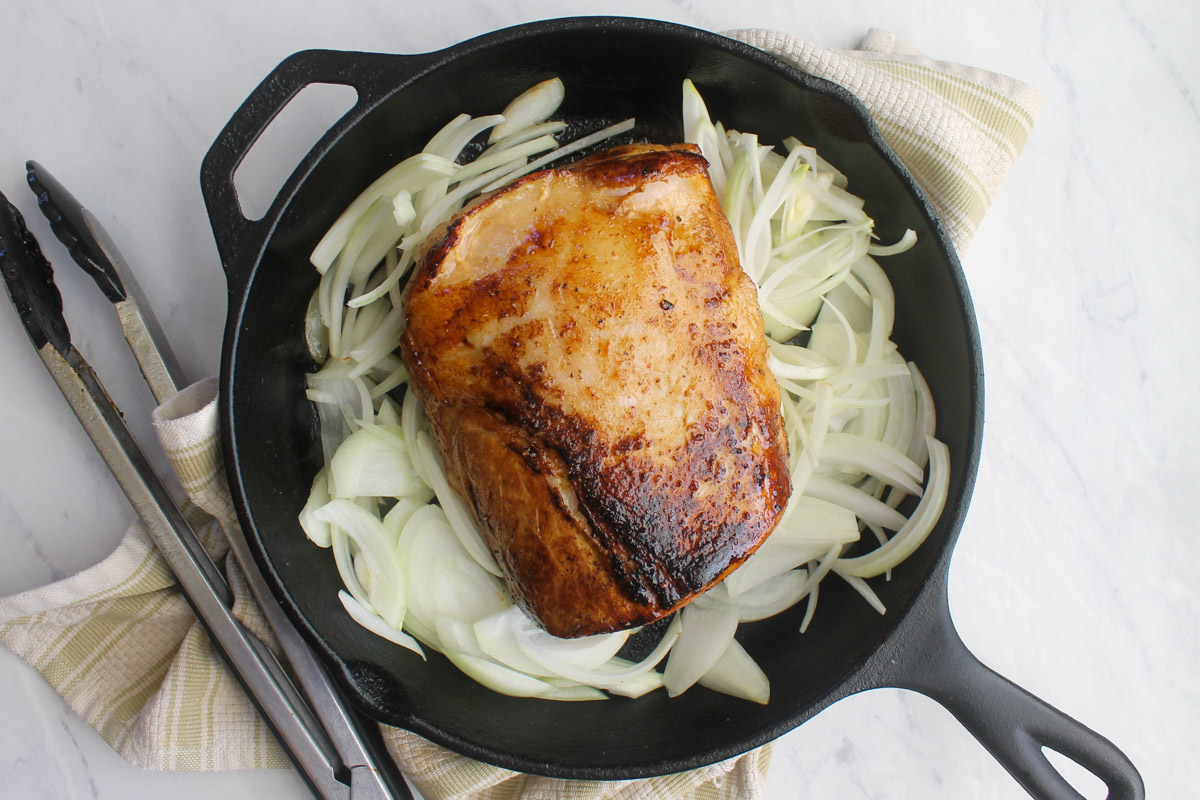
464, 591
497, 638
616, 674
705, 634
399, 514
737, 674
535, 104
425, 538
411, 175
582, 143
773, 597
573, 692
861, 454
388, 585
864, 506
586, 652
863, 588
317, 530
810, 520
772, 559
457, 636
376, 624
699, 129
453, 505
452, 139
637, 685
919, 525
499, 678
374, 462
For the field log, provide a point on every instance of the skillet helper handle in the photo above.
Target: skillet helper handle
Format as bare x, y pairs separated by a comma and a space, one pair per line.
372, 75
1010, 722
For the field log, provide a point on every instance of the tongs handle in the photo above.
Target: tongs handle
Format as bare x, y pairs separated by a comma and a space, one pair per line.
90, 245
30, 283
198, 577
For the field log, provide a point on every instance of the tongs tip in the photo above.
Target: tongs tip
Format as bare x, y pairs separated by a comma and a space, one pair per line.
29, 279
69, 221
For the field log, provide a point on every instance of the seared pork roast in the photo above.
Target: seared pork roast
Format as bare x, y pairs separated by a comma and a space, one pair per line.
592, 360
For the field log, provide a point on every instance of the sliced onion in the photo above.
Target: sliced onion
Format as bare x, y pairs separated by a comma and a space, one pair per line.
388, 584
615, 129
585, 652
814, 591
698, 128
456, 511
637, 685
464, 591
737, 674
919, 525
412, 422
399, 514
395, 273
872, 457
497, 638
316, 335
498, 678
773, 597
615, 674
772, 559
905, 242
411, 175
863, 588
810, 520
397, 377
457, 636
316, 530
362, 240
530, 107
926, 418
376, 624
706, 632
551, 128
573, 693
563, 653
855, 500
343, 559
458, 133
425, 538
902, 411
372, 462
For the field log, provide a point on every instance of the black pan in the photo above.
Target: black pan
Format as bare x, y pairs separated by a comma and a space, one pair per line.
612, 68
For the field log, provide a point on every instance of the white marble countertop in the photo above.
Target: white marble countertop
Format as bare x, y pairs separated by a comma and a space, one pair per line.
1074, 575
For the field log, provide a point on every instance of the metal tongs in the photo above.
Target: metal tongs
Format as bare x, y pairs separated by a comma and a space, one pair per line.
326, 740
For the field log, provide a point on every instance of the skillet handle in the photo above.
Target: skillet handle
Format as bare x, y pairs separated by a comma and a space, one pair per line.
372, 75
1010, 722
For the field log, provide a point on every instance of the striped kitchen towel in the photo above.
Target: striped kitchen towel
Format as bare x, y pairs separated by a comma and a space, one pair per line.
121, 645
958, 129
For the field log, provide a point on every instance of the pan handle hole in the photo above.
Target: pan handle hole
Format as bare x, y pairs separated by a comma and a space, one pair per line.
1084, 782
285, 142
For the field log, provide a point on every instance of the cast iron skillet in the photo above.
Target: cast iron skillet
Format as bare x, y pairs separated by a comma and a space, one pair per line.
612, 68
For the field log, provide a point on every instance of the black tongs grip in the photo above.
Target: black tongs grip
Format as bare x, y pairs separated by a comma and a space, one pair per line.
70, 225
30, 282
